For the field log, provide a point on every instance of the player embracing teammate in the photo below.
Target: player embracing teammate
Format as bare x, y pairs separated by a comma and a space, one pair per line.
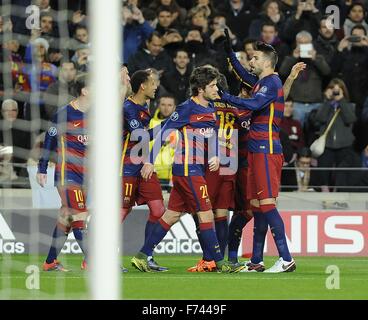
265, 157
197, 149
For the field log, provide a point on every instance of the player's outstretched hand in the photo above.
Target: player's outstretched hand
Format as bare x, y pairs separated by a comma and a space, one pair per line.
300, 66
147, 171
214, 163
41, 179
227, 42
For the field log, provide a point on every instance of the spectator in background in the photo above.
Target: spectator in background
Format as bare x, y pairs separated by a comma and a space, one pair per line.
78, 19
216, 33
152, 56
248, 47
270, 14
208, 4
81, 58
292, 127
41, 72
326, 42
61, 92
160, 91
352, 180
198, 17
81, 34
305, 18
351, 64
172, 41
365, 111
270, 35
287, 148
15, 133
19, 77
340, 138
306, 91
165, 158
356, 16
6, 25
165, 20
135, 30
49, 31
287, 7
239, 15
176, 81
298, 175
178, 13
364, 157
197, 49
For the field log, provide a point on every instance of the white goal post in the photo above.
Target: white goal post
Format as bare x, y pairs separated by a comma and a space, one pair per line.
105, 137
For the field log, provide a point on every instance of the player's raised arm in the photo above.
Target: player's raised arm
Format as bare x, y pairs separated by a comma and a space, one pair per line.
297, 68
241, 73
49, 146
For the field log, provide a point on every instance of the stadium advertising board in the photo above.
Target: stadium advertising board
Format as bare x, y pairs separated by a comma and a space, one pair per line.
309, 233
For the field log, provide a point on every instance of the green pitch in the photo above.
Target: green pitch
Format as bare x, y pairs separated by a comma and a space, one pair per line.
308, 282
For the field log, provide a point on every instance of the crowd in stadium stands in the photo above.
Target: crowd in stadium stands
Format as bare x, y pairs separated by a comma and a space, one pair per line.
39, 68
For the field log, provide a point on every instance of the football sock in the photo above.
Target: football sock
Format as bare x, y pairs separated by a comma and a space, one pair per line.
158, 233
238, 222
80, 236
206, 253
149, 227
59, 237
222, 232
259, 236
210, 240
278, 232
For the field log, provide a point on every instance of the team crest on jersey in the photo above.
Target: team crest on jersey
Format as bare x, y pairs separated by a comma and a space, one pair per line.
263, 89
174, 116
52, 132
134, 124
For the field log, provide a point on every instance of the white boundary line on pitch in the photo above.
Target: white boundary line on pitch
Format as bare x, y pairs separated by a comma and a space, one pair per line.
229, 277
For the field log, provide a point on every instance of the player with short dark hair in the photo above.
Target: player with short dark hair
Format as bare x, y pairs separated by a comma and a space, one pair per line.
265, 157
221, 183
196, 121
135, 189
68, 136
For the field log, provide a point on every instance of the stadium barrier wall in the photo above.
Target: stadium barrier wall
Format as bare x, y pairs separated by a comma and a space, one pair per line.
309, 232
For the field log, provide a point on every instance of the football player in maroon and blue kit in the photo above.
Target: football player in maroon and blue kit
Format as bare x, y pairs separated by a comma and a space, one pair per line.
195, 119
68, 137
265, 157
136, 190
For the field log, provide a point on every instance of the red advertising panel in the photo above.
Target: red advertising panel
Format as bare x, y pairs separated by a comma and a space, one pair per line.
315, 233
